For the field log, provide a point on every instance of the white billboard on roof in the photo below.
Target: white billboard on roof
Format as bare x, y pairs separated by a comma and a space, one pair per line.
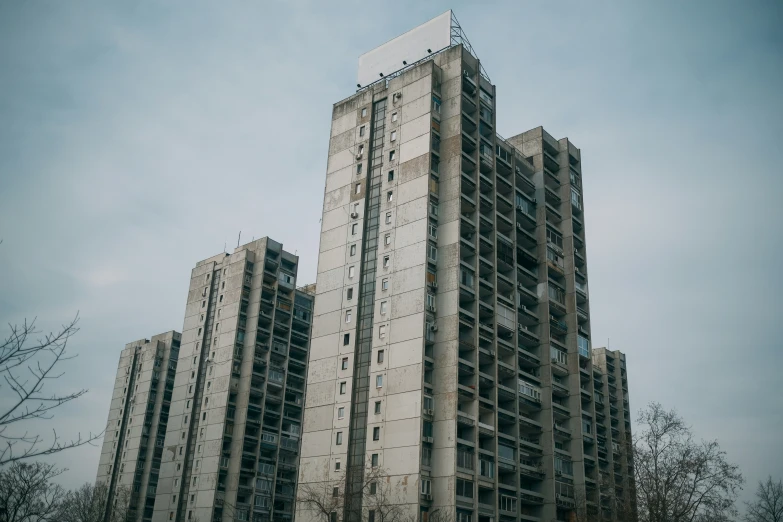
430, 37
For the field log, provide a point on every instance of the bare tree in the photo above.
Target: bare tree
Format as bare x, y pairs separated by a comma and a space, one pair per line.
88, 504
377, 489
27, 493
768, 506
679, 479
26, 366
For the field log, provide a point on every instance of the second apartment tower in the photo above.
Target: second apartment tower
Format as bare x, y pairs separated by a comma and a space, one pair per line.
232, 439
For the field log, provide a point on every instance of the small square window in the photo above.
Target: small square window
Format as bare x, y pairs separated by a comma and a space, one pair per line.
385, 284
354, 229
374, 460
364, 112
382, 333
377, 407
394, 116
336, 468
357, 188
390, 196
379, 381
376, 433
387, 239
373, 488
391, 176
380, 357
345, 363
359, 168
393, 138
388, 218
386, 261
353, 250
371, 515
335, 492
392, 155
342, 388
341, 413
348, 316
384, 307
346, 339
349, 294
361, 130
338, 441
350, 271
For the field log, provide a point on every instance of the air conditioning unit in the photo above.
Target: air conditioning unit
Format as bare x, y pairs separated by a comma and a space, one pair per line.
434, 327
427, 439
359, 156
428, 411
354, 215
432, 284
431, 308
397, 96
426, 497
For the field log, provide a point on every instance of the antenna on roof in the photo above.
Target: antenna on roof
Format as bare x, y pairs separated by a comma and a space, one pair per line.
240, 235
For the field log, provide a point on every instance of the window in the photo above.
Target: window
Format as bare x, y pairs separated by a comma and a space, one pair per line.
373, 488
436, 104
554, 238
371, 515
349, 294
358, 188
342, 388
333, 516
386, 261
341, 413
374, 460
394, 116
385, 284
387, 239
354, 229
379, 381
388, 218
361, 150
426, 487
353, 250
392, 155
384, 306
434, 209
393, 138
382, 332
433, 228
376, 433
464, 488
390, 195
364, 112
346, 339
348, 316
338, 440
361, 130
390, 178
345, 363
380, 356
351, 270
377, 407
432, 252
337, 465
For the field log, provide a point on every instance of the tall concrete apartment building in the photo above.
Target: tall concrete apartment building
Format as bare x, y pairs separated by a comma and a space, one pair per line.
138, 415
613, 431
451, 332
232, 442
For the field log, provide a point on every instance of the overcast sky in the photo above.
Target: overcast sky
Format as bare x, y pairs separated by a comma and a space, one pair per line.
137, 138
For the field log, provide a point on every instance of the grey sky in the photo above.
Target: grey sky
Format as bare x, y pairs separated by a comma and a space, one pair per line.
137, 138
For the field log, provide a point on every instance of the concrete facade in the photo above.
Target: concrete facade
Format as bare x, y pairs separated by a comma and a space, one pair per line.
232, 445
138, 416
451, 331
616, 485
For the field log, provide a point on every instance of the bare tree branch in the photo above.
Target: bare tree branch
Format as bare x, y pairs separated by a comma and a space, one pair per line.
27, 493
26, 367
677, 478
768, 506
88, 504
